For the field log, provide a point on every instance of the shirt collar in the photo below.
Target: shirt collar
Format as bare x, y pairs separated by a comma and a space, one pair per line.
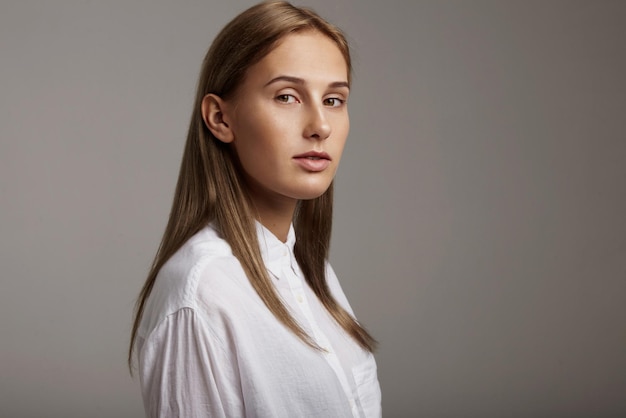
275, 253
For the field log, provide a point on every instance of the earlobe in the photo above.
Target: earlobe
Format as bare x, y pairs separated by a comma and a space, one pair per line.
213, 116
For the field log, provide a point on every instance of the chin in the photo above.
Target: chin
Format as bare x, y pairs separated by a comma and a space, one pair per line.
311, 192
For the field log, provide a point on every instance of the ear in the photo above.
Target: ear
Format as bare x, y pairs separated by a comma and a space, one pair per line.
213, 114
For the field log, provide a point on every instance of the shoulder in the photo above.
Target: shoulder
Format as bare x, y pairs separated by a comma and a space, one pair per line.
180, 274
176, 285
335, 288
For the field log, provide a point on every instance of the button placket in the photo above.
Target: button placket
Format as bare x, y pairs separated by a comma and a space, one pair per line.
296, 284
280, 259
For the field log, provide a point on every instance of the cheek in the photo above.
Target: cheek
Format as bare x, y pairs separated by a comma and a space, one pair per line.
342, 131
341, 123
258, 143
247, 131
339, 152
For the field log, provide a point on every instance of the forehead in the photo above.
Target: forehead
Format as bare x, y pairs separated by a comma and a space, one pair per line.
309, 55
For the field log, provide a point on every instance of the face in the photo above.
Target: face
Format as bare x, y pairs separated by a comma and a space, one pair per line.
289, 119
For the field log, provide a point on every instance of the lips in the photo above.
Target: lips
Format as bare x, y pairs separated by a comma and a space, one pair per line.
316, 155
313, 161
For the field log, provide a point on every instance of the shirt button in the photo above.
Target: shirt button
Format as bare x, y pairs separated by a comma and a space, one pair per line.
299, 298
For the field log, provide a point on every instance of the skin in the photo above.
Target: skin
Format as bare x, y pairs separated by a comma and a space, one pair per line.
291, 102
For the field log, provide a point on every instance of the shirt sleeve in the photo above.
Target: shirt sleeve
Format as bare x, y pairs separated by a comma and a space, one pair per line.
179, 373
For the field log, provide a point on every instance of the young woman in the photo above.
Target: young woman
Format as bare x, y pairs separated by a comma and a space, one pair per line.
241, 314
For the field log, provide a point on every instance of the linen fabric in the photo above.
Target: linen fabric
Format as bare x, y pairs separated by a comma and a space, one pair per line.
208, 347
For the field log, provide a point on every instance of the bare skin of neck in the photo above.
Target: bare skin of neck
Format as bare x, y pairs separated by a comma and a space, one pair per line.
276, 215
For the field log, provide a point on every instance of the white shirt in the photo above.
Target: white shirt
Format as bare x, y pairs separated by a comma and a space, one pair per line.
209, 347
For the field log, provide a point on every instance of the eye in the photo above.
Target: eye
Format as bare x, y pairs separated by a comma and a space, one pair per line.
286, 98
334, 102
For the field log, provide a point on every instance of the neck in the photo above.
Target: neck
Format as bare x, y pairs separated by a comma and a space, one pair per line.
276, 216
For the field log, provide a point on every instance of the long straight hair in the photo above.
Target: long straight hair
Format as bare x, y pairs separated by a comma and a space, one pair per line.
211, 188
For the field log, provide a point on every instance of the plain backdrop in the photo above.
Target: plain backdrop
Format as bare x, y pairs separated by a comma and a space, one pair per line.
480, 222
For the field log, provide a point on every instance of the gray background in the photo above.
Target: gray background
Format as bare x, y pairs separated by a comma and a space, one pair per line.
479, 231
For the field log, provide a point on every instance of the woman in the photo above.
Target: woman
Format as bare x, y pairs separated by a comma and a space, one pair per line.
241, 315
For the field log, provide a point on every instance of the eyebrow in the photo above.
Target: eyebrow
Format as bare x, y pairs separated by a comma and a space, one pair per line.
297, 80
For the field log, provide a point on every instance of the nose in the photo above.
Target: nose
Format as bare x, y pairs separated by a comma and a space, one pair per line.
317, 126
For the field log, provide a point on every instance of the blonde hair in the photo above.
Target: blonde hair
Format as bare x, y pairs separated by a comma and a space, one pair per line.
210, 187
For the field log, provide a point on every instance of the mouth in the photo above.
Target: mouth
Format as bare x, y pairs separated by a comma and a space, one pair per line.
313, 161
314, 155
